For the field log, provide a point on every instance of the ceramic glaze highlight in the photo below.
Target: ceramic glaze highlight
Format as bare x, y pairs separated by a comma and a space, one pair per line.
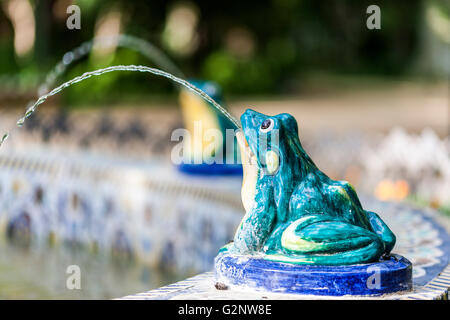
294, 212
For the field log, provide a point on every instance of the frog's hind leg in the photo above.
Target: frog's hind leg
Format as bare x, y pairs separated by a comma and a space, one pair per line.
325, 240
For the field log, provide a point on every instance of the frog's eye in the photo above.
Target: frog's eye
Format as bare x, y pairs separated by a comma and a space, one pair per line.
267, 125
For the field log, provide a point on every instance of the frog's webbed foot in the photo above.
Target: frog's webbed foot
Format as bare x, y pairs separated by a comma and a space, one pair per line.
321, 239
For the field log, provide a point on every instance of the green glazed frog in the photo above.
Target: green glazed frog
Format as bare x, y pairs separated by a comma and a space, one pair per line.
294, 212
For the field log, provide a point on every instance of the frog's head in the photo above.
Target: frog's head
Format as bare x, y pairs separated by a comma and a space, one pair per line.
270, 147
266, 140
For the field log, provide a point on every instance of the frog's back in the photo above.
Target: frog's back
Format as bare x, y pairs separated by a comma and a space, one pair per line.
307, 198
318, 194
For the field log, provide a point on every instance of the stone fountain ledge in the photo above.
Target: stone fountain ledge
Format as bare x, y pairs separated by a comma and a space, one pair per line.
420, 238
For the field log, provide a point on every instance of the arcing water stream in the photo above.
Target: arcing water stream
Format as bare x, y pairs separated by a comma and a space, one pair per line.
32, 108
142, 46
126, 41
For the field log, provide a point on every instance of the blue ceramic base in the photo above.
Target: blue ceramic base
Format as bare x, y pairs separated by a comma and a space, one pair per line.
386, 276
211, 169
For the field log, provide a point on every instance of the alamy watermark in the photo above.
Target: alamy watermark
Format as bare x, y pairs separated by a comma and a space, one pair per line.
213, 146
374, 20
74, 20
374, 280
74, 279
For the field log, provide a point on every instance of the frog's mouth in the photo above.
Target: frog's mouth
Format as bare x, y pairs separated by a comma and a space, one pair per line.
251, 170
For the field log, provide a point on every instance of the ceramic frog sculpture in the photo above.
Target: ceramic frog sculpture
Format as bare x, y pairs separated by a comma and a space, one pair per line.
294, 212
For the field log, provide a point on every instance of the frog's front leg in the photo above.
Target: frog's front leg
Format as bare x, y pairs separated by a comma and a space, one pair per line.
257, 223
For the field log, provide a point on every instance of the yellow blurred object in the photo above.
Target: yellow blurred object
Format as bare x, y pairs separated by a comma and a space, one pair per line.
435, 203
439, 22
401, 189
180, 34
20, 12
108, 25
198, 119
392, 190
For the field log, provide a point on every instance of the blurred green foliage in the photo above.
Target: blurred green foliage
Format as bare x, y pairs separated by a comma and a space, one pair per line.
248, 47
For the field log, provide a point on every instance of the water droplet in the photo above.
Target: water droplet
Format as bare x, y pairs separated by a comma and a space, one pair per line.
21, 121
3, 139
68, 58
29, 112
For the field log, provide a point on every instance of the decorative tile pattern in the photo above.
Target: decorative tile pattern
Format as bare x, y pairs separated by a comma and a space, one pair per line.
149, 211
